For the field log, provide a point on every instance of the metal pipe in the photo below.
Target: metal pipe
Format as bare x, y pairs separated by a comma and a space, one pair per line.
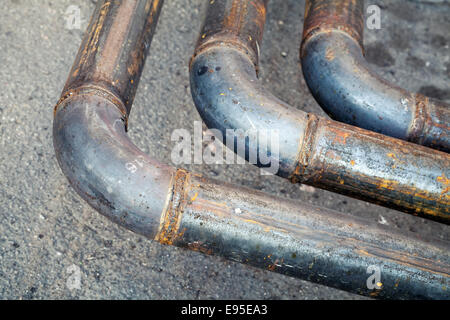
91, 145
312, 150
178, 208
347, 89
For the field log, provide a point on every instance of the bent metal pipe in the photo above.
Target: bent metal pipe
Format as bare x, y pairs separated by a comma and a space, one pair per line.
347, 89
178, 208
313, 150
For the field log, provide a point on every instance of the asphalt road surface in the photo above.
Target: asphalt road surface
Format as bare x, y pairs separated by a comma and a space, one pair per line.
48, 233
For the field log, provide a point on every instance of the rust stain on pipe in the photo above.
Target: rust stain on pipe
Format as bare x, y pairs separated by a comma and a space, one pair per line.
171, 218
91, 48
112, 46
322, 16
306, 150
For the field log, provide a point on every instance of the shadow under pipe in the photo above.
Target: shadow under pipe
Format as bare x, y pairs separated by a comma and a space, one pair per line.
311, 150
344, 85
178, 208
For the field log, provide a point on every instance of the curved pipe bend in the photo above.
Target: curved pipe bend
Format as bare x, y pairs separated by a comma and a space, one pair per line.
105, 167
228, 96
344, 85
312, 150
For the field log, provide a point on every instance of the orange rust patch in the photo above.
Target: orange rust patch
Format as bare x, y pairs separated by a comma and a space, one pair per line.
388, 184
417, 126
259, 7
329, 54
306, 148
446, 182
329, 16
332, 155
92, 39
271, 267
341, 137
276, 263
199, 247
171, 219
233, 21
375, 293
194, 197
265, 227
392, 155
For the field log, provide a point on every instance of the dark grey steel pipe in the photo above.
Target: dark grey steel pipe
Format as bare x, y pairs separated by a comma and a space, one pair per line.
347, 89
95, 154
312, 150
178, 208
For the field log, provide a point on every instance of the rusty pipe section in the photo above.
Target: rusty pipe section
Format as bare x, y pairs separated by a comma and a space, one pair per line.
311, 150
175, 207
302, 241
344, 85
95, 154
114, 50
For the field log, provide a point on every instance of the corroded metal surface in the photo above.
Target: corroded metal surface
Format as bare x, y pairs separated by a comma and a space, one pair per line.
349, 91
237, 23
343, 15
102, 164
178, 208
314, 244
315, 151
114, 50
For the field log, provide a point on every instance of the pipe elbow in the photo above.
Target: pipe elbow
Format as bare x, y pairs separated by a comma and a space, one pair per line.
344, 85
105, 167
341, 81
230, 98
